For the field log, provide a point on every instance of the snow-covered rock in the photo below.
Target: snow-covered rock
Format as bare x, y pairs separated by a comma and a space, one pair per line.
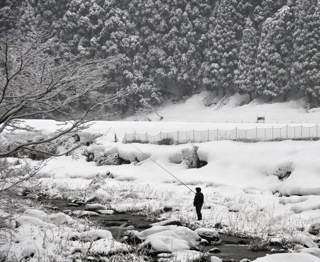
292, 257
312, 251
100, 195
107, 247
303, 239
215, 259
168, 239
84, 213
95, 234
94, 207
168, 222
183, 256
314, 228
208, 234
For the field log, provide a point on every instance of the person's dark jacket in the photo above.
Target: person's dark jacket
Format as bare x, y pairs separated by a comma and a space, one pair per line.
198, 199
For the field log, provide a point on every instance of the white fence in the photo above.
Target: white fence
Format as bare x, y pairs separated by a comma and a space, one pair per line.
254, 134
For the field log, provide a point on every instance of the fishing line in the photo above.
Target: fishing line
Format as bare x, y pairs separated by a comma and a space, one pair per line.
163, 168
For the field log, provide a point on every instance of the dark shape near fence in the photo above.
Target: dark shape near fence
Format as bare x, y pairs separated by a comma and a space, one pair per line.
250, 135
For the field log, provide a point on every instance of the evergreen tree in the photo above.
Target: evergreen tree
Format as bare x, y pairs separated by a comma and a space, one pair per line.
306, 70
222, 51
245, 75
274, 63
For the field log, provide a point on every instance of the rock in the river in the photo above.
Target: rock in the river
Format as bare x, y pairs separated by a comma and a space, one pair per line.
83, 213
94, 207
168, 222
215, 259
208, 234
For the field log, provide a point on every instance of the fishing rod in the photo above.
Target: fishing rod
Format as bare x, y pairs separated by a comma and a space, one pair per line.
163, 168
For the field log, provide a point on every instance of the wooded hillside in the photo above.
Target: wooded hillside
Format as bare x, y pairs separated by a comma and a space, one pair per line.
179, 47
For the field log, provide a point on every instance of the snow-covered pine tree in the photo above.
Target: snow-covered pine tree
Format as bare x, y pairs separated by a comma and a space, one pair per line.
306, 71
245, 75
274, 55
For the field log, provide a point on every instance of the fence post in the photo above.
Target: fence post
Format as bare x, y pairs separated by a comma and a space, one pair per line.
286, 131
208, 135
193, 135
256, 133
317, 131
301, 131
265, 134
217, 134
236, 133
178, 137
160, 135
147, 140
272, 134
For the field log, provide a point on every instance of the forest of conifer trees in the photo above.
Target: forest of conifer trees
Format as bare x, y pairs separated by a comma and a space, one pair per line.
180, 47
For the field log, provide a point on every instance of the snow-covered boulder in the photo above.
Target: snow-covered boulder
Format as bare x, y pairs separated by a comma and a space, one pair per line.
60, 218
303, 239
108, 247
168, 239
36, 213
95, 234
94, 207
292, 257
208, 234
30, 220
314, 228
168, 222
185, 255
100, 195
84, 213
165, 241
27, 253
215, 259
312, 251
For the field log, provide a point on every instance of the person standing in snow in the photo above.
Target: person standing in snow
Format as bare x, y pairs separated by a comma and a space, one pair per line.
198, 202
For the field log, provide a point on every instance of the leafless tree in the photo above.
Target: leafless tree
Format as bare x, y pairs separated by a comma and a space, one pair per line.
36, 84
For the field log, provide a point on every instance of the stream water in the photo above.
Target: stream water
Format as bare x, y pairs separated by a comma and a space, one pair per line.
232, 248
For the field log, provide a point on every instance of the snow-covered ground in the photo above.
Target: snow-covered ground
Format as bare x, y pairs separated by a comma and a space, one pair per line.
264, 189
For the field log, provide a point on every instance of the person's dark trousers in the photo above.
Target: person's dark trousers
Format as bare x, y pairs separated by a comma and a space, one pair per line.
198, 210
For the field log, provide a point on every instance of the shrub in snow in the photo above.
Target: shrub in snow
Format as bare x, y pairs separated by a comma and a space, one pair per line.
110, 159
166, 141
191, 158
37, 154
97, 182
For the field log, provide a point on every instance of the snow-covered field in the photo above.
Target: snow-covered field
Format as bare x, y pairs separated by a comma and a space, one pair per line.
266, 189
